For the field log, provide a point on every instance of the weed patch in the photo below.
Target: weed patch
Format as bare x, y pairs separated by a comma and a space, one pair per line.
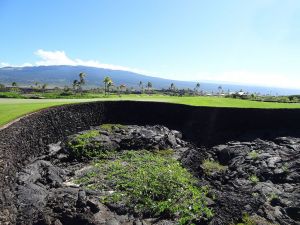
254, 179
110, 127
211, 166
149, 183
253, 155
85, 146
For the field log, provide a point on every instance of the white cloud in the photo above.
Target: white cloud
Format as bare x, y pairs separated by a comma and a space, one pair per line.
60, 58
53, 58
4, 64
48, 58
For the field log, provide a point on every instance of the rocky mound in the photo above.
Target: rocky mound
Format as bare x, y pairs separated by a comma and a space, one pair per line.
248, 182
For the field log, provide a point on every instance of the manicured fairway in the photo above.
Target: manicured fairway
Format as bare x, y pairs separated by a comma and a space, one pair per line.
11, 109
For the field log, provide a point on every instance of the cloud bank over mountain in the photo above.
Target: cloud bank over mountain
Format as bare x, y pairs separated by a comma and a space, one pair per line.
244, 77
58, 57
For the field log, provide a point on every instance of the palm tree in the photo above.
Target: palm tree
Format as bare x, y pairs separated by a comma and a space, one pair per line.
172, 87
81, 78
141, 87
14, 87
81, 81
149, 86
197, 88
122, 87
75, 85
107, 83
220, 89
44, 86
110, 84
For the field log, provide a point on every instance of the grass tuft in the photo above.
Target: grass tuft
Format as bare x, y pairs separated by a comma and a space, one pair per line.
253, 155
110, 127
211, 166
151, 184
254, 179
84, 146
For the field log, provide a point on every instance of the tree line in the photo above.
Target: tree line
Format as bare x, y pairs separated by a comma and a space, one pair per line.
109, 85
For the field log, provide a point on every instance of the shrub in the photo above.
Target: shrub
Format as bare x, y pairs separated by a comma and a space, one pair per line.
211, 166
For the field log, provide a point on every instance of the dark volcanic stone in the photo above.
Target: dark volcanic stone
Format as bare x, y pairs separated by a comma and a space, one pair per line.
44, 198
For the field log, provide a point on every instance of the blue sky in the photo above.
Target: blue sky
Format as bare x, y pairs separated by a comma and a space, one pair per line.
240, 41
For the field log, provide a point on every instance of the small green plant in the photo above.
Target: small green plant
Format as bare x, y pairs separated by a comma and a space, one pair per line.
253, 154
86, 179
272, 196
149, 183
254, 179
253, 220
110, 127
285, 168
83, 145
211, 166
165, 152
247, 220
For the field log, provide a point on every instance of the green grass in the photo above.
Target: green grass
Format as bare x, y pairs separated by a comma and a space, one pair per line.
148, 183
253, 220
253, 155
254, 179
85, 145
11, 109
109, 127
210, 166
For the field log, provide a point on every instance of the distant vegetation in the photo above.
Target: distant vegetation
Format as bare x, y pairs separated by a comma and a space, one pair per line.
78, 90
24, 98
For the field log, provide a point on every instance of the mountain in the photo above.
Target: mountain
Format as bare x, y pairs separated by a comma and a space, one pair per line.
59, 76
64, 75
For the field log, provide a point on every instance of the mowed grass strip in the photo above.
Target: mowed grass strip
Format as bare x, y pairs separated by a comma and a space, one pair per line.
11, 109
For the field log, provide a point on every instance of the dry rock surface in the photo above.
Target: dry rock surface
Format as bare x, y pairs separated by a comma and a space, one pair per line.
259, 179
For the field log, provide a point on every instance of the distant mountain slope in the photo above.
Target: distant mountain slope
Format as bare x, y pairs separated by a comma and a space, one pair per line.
64, 75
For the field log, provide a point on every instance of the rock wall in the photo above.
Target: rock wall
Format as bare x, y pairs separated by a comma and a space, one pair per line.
29, 137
